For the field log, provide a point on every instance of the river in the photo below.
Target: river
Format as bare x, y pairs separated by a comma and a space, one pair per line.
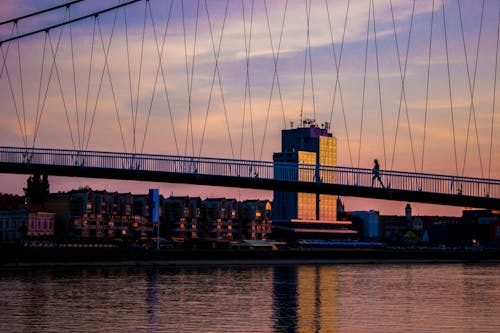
252, 298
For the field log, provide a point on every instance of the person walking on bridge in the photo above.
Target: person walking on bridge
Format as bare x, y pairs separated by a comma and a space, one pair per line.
376, 173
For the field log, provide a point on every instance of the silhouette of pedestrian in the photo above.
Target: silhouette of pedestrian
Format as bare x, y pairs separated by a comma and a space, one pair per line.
376, 173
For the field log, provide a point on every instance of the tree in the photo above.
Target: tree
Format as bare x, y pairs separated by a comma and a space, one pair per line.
37, 189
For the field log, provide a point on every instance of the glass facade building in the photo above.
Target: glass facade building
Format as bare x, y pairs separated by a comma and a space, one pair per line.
306, 145
308, 215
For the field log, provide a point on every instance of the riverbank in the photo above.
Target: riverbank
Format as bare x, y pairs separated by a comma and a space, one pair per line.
26, 257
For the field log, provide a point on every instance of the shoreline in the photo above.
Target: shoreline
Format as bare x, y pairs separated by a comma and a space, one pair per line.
50, 257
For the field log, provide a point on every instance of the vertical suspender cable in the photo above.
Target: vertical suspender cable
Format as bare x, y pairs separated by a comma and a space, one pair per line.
337, 70
364, 83
494, 97
427, 88
449, 88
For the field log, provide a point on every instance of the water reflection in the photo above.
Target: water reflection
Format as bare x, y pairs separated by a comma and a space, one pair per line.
324, 298
304, 299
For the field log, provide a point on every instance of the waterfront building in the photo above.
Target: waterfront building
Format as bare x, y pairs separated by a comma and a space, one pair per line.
22, 221
182, 216
85, 214
308, 215
255, 219
369, 226
221, 217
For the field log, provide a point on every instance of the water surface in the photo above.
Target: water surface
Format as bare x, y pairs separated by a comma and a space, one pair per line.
303, 298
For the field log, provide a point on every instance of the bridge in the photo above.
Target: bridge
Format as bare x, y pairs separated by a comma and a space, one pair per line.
280, 176
97, 89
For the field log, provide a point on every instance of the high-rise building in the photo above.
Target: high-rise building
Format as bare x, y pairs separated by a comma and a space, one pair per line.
308, 213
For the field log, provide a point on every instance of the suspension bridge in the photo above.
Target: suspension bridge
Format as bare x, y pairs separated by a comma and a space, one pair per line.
197, 92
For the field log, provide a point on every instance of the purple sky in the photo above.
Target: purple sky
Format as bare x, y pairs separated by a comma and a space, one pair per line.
366, 128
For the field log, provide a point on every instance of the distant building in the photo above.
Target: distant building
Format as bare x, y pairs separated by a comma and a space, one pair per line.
85, 214
221, 216
21, 220
182, 215
256, 219
369, 225
308, 215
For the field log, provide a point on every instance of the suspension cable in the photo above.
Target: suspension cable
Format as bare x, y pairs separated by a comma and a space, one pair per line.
364, 84
275, 73
74, 82
472, 87
14, 100
217, 70
310, 57
6, 52
209, 102
160, 68
88, 81
189, 77
129, 71
140, 76
305, 71
427, 88
38, 111
449, 88
22, 90
247, 92
276, 63
494, 97
17, 19
62, 93
105, 52
402, 96
106, 65
337, 79
69, 21
378, 81
38, 122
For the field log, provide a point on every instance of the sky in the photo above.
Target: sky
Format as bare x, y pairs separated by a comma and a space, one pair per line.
278, 62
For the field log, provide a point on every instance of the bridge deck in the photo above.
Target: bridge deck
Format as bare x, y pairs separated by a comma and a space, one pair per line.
401, 186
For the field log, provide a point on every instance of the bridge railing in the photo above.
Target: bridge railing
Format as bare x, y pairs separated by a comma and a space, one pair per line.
478, 187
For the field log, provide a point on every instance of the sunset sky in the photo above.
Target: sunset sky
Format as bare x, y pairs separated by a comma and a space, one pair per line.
369, 120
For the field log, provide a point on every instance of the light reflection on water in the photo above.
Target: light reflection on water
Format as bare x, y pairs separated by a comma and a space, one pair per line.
304, 298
